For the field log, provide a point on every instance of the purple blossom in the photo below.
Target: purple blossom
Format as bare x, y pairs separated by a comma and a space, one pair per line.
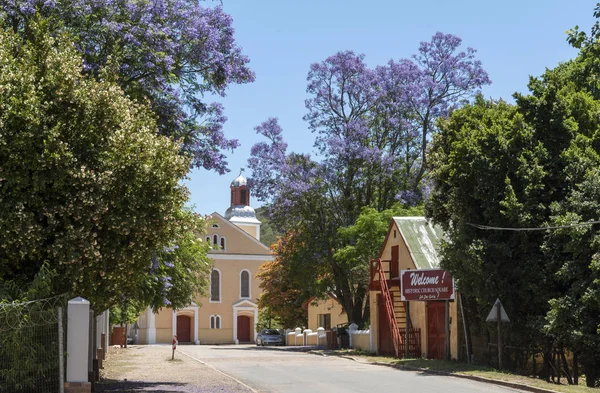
171, 53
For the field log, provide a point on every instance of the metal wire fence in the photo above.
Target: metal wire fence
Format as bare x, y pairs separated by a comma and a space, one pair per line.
32, 343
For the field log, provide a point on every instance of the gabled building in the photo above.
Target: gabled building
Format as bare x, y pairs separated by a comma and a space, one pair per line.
412, 243
229, 314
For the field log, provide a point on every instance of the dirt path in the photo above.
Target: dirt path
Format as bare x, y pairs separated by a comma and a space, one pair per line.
149, 368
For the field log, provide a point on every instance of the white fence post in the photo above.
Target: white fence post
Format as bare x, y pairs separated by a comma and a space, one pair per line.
78, 335
321, 332
298, 333
351, 329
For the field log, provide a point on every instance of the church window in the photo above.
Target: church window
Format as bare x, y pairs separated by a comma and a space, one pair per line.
243, 197
215, 322
245, 284
223, 243
215, 239
215, 286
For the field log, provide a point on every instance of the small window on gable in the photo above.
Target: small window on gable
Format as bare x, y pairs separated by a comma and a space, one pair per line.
394, 233
215, 225
223, 243
215, 239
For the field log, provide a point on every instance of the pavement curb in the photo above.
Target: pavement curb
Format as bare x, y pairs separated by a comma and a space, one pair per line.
513, 385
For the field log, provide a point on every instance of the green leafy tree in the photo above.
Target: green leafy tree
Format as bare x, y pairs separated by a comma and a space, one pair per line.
564, 106
86, 183
487, 168
532, 165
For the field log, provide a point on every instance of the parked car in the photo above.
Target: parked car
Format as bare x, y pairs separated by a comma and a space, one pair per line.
270, 337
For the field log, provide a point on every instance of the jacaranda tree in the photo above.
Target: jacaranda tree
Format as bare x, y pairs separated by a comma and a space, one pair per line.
372, 128
169, 52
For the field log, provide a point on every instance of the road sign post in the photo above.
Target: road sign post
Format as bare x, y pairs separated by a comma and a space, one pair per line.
498, 314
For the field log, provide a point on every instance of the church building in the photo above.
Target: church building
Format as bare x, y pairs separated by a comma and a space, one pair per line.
229, 314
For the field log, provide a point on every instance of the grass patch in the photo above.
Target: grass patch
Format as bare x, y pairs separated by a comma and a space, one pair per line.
454, 367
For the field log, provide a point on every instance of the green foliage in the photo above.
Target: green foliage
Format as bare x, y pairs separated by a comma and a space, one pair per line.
268, 233
86, 184
283, 292
534, 164
267, 319
487, 169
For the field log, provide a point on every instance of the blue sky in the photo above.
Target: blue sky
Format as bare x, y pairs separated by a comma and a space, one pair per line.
513, 39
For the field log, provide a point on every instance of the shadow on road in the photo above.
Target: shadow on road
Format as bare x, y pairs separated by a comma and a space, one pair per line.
113, 386
265, 348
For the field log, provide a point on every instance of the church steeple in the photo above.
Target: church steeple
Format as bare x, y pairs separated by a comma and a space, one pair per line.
240, 213
240, 195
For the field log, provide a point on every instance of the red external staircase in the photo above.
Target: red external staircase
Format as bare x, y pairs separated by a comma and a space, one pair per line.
395, 311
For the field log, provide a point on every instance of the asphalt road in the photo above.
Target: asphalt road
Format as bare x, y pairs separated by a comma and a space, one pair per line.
272, 370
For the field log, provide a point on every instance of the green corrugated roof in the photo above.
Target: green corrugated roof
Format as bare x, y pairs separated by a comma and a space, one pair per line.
423, 240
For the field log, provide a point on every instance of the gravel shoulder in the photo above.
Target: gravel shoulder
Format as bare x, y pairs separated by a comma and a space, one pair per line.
149, 368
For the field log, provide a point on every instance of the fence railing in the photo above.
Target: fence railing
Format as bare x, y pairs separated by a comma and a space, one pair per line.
32, 345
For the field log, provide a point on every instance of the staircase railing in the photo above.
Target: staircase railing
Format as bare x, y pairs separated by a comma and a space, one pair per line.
389, 307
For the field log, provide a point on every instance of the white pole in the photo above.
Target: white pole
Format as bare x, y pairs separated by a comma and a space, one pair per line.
61, 351
78, 330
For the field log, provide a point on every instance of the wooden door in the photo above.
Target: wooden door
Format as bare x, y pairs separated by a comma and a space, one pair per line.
243, 329
436, 329
385, 341
183, 329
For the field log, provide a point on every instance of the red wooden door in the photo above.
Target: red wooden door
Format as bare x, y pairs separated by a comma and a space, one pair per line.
385, 341
243, 329
183, 329
436, 330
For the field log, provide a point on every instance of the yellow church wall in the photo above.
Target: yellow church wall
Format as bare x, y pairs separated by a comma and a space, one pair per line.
230, 270
250, 229
215, 336
162, 322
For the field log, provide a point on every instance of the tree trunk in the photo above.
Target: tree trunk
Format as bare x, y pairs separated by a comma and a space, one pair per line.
575, 369
566, 367
591, 374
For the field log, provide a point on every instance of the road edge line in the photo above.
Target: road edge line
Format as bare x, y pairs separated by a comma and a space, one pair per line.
221, 372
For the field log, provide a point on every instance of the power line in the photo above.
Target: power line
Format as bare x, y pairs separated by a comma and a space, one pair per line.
492, 228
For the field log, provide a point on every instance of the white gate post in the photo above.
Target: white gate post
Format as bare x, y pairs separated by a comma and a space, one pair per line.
351, 329
78, 336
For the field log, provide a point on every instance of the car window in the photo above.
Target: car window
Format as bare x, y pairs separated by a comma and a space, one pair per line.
271, 331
